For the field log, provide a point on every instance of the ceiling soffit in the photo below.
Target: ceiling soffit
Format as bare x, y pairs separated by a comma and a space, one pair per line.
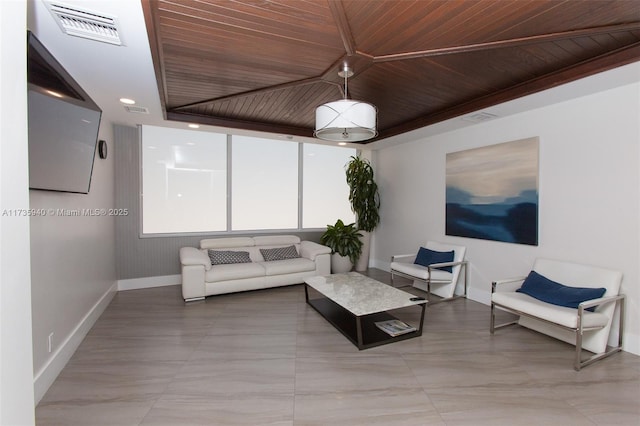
266, 65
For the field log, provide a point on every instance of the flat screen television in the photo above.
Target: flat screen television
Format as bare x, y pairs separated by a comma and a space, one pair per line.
63, 125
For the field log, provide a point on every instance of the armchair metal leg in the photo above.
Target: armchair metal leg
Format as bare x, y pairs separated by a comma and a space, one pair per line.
492, 323
578, 363
493, 327
455, 296
393, 276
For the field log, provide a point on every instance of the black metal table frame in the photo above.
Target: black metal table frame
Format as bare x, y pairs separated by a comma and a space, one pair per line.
360, 330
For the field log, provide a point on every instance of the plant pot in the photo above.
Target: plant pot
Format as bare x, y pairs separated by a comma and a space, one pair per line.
340, 264
363, 261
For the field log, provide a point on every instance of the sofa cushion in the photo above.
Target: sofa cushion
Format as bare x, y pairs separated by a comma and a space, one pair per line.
542, 288
279, 253
289, 266
222, 243
561, 315
426, 257
223, 257
276, 240
236, 271
421, 272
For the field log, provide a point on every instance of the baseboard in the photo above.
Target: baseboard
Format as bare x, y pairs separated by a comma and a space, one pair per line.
45, 377
148, 282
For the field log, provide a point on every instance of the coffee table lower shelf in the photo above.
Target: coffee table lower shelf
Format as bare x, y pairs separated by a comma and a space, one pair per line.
360, 330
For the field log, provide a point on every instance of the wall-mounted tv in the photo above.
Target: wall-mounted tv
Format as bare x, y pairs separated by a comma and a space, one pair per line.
63, 125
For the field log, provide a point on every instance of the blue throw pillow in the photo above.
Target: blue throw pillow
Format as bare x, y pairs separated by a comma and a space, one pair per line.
428, 257
542, 288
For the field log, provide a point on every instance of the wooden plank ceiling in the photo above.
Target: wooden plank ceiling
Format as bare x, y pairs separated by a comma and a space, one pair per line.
267, 64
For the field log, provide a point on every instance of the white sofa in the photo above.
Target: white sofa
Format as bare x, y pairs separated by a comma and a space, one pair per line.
200, 278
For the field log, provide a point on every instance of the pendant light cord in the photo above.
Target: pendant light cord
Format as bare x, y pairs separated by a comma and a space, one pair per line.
346, 76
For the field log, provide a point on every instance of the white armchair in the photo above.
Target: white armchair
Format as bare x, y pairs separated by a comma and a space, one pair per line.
431, 279
581, 327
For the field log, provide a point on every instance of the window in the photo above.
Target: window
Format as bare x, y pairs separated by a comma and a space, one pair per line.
324, 186
202, 182
184, 181
264, 184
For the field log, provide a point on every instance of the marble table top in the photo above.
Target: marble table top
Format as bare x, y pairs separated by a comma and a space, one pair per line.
361, 295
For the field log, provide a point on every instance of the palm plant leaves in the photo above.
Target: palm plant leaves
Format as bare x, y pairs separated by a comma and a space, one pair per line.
363, 193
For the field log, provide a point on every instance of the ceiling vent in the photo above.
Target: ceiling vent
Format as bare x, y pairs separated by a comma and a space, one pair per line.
479, 117
136, 109
86, 24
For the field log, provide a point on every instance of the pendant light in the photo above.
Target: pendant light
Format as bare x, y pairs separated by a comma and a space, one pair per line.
346, 120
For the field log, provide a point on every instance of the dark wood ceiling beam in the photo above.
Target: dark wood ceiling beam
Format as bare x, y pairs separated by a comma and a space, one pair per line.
330, 76
499, 44
269, 89
587, 68
342, 22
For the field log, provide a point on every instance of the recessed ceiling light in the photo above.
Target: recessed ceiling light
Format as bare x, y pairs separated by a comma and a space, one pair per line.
194, 126
342, 143
127, 101
56, 94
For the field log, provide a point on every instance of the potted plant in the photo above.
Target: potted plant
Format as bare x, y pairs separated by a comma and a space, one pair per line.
365, 202
344, 242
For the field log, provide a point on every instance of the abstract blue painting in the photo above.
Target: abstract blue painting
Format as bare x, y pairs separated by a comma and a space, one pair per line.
492, 192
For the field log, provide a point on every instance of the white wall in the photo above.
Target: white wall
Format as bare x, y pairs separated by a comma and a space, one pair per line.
589, 193
73, 266
16, 389
73, 269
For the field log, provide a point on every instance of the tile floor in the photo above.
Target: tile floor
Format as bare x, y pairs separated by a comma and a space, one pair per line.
266, 358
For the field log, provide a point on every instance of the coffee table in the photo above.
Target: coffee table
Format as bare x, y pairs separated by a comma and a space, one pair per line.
353, 303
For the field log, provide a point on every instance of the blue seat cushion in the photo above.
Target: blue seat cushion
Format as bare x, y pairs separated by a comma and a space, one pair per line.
542, 288
428, 257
